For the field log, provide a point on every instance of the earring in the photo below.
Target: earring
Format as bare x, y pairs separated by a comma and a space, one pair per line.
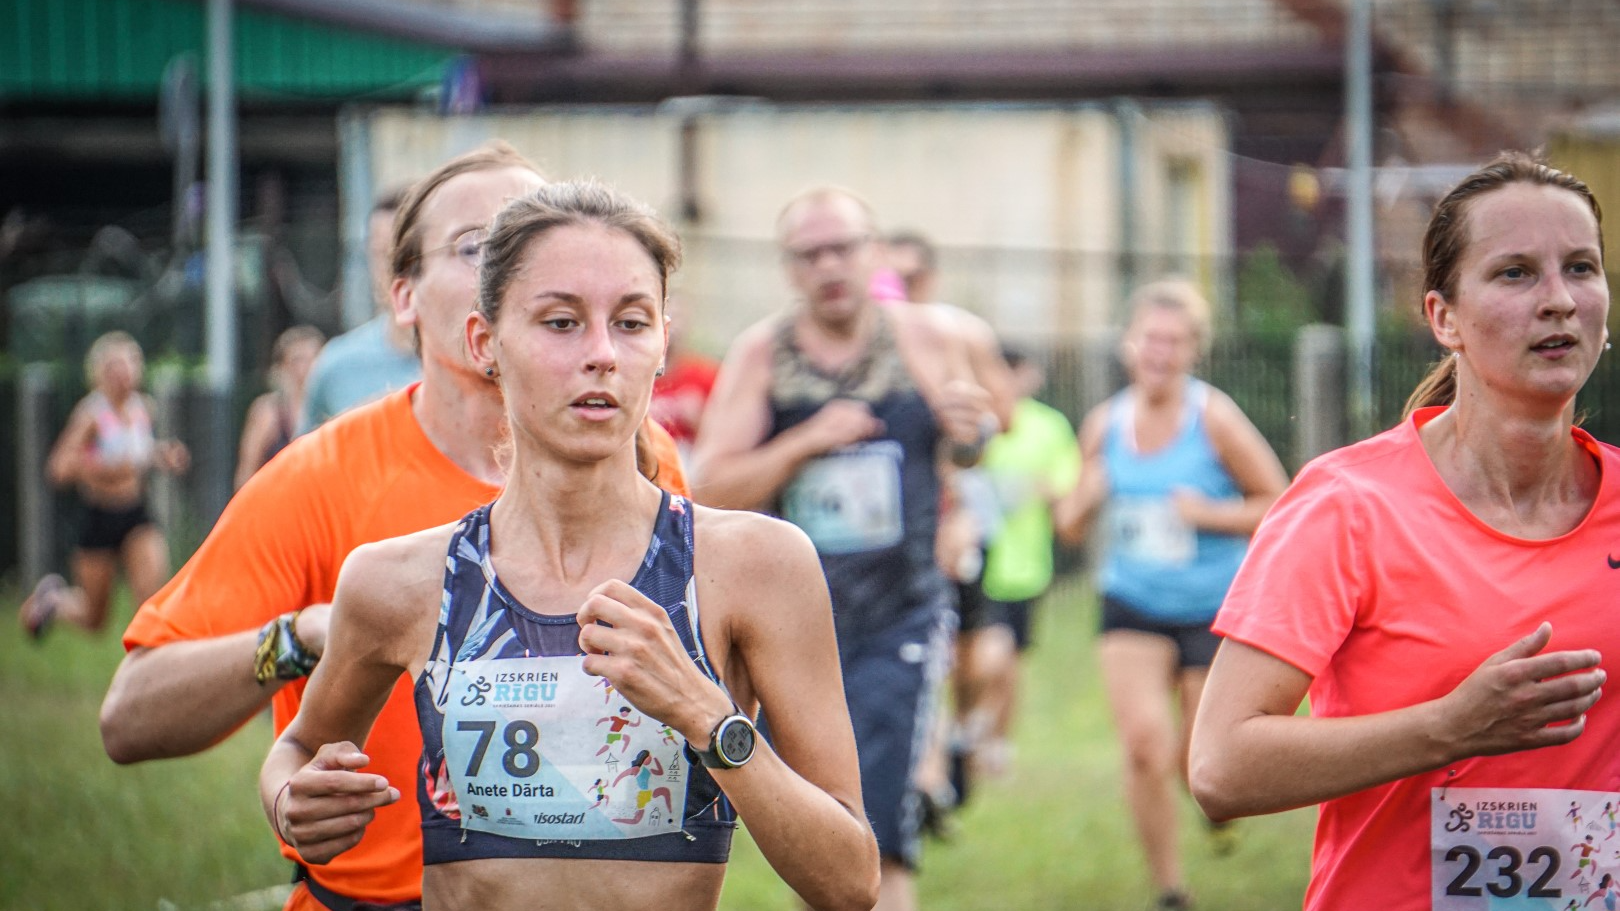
1608, 345
660, 371
489, 372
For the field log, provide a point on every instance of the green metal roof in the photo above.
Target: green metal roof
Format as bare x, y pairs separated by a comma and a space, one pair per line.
117, 49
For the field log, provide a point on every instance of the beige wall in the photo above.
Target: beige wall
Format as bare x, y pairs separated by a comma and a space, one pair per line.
1024, 201
730, 26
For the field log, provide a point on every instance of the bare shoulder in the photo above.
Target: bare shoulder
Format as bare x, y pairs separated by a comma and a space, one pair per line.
1093, 425
83, 413
749, 549
1223, 416
973, 327
1220, 406
263, 409
930, 324
752, 347
392, 579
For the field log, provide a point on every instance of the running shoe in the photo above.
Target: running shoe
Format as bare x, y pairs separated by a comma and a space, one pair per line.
1174, 900
938, 806
39, 610
958, 761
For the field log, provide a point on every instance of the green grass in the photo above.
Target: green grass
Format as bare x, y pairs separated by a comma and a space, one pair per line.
83, 833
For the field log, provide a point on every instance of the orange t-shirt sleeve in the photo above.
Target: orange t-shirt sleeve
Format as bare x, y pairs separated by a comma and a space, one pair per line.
671, 476
1297, 594
269, 551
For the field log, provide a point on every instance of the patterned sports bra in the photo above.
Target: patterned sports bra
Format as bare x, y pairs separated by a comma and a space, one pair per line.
526, 755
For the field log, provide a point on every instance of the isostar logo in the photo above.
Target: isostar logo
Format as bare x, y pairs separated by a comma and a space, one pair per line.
559, 819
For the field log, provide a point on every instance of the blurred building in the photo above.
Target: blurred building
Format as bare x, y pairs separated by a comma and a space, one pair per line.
81, 147
1047, 212
95, 98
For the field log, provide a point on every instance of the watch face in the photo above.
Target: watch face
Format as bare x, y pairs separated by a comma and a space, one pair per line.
736, 742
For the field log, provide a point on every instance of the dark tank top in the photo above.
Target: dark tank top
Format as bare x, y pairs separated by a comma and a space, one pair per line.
507, 772
871, 508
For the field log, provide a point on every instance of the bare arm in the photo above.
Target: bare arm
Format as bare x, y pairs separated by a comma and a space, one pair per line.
989, 369
257, 432
71, 460
1074, 514
1252, 755
1249, 459
188, 680
311, 788
937, 344
802, 800
184, 697
733, 465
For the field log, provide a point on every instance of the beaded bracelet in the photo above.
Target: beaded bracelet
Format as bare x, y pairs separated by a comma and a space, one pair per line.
280, 654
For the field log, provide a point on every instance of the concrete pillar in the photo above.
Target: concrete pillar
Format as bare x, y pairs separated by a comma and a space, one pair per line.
1101, 374
36, 512
169, 394
1321, 408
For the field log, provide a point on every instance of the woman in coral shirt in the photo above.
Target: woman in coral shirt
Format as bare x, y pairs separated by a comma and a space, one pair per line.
1445, 593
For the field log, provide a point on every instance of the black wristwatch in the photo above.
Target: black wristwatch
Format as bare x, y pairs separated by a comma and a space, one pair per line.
731, 744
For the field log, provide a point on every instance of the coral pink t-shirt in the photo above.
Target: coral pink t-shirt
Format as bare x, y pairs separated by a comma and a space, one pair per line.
1370, 576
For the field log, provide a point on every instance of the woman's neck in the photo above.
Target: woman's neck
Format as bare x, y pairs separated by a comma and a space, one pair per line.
1164, 396
117, 400
574, 522
1519, 470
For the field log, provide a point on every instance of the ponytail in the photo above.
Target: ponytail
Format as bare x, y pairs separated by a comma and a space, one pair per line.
1438, 387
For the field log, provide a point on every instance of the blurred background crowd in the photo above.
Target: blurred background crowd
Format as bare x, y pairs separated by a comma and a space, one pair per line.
1056, 153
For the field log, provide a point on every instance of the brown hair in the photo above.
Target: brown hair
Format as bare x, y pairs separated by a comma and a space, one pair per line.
296, 335
557, 205
927, 254
390, 199
491, 156
1446, 240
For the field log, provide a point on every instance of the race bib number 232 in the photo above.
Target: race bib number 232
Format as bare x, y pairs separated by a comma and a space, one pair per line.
1523, 849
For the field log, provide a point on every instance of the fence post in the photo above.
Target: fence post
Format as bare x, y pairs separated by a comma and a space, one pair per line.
1320, 385
214, 456
168, 392
1100, 372
36, 514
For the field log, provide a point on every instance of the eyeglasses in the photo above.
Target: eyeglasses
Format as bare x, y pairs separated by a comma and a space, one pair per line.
839, 249
467, 247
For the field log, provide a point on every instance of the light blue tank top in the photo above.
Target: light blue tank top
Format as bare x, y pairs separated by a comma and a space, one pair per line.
1154, 562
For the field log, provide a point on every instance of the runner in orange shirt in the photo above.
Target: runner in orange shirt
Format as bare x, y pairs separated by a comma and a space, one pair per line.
264, 576
1392, 580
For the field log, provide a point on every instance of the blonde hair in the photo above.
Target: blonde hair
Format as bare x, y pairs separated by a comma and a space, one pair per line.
1180, 296
103, 347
